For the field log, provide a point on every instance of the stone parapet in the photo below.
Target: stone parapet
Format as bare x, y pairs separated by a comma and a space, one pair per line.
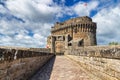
84, 21
16, 64
112, 52
47, 50
82, 25
99, 68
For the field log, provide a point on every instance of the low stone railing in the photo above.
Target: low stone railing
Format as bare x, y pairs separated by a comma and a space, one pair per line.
96, 51
101, 62
21, 64
47, 50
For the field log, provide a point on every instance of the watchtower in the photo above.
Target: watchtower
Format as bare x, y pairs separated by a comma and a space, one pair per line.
75, 32
84, 31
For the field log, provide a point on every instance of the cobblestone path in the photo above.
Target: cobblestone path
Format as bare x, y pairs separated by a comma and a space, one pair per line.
61, 68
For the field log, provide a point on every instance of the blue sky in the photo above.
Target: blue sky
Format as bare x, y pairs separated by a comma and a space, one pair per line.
27, 23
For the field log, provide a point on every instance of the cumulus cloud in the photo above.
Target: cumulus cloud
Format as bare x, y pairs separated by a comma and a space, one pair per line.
108, 24
83, 9
33, 10
27, 23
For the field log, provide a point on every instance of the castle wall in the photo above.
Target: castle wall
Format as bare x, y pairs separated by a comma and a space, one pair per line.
112, 52
87, 32
100, 61
52, 44
81, 28
47, 50
59, 46
16, 64
99, 68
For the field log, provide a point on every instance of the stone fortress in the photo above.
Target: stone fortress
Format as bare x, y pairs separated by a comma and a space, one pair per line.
76, 38
76, 32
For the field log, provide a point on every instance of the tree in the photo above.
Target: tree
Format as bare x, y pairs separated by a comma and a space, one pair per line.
113, 43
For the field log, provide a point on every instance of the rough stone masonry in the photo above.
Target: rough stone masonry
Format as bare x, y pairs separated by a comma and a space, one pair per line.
22, 63
76, 32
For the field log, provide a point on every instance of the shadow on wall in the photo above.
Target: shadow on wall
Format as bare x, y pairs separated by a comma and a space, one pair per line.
45, 72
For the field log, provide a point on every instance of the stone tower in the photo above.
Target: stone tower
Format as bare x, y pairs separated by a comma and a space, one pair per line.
76, 32
85, 30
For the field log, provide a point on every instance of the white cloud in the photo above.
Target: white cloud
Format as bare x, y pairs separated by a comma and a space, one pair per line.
16, 34
38, 36
2, 9
83, 9
39, 16
108, 24
33, 10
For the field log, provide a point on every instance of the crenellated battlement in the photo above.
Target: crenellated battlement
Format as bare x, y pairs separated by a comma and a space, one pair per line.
76, 25
75, 22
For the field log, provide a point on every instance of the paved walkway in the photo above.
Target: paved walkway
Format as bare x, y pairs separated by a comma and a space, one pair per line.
61, 68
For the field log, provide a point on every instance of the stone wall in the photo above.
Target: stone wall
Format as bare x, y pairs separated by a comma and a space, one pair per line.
81, 30
96, 51
47, 50
16, 64
59, 46
30, 49
102, 62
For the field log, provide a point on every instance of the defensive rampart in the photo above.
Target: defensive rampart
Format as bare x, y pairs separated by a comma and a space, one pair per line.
96, 51
100, 61
21, 63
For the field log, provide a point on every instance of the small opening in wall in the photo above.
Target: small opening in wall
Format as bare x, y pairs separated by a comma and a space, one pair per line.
69, 44
80, 43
